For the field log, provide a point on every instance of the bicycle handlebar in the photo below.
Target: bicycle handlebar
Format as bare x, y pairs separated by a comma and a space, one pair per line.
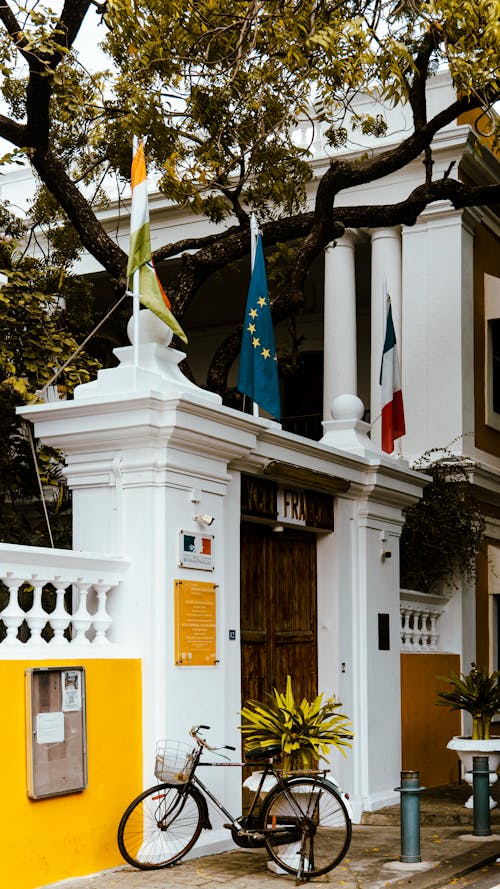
193, 731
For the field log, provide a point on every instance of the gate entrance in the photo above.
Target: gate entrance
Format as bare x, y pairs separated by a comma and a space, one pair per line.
278, 611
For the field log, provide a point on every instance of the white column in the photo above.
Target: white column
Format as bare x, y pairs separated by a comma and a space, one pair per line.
385, 273
340, 371
438, 319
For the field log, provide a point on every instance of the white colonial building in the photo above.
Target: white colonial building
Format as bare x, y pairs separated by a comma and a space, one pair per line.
288, 536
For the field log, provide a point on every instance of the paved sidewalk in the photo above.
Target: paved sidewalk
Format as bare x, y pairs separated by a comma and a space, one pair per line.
369, 865
448, 851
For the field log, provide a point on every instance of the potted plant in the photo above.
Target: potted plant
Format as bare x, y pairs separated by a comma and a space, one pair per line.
476, 693
444, 530
303, 732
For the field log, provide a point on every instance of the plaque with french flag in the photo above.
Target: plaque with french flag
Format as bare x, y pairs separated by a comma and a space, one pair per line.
393, 417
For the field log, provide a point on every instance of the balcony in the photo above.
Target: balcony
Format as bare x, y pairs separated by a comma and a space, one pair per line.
420, 614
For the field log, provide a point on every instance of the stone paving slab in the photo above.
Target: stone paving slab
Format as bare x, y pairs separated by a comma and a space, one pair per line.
372, 863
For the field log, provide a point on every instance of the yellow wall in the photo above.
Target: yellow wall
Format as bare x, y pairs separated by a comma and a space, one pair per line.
425, 727
46, 840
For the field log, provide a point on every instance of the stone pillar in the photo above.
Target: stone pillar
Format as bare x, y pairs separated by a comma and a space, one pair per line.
147, 456
340, 357
385, 278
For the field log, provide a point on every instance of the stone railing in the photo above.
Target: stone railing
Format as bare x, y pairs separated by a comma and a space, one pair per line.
55, 599
420, 613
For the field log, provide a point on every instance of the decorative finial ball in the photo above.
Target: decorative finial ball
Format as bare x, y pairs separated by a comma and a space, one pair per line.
347, 407
151, 329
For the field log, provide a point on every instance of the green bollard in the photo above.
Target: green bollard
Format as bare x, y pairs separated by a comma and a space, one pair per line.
410, 817
481, 796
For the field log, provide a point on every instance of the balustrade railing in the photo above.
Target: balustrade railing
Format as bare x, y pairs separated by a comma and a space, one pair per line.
53, 598
420, 613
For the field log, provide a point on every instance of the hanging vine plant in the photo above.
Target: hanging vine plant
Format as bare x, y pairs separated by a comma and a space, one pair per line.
443, 531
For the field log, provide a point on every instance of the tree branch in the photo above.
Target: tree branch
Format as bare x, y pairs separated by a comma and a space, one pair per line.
12, 132
417, 93
14, 30
351, 173
42, 66
92, 235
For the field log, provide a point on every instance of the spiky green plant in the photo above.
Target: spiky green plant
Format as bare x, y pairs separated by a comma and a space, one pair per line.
305, 732
477, 693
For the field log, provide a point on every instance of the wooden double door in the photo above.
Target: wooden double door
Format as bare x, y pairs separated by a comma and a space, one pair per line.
278, 611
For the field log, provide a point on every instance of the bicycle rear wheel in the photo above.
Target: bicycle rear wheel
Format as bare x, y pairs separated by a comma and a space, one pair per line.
313, 828
160, 826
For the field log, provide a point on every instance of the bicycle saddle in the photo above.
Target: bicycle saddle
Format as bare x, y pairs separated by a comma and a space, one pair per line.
259, 754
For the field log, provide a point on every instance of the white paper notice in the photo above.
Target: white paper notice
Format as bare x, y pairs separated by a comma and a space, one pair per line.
50, 728
71, 691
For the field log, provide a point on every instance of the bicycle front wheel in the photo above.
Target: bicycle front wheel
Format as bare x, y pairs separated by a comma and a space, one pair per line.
313, 828
160, 826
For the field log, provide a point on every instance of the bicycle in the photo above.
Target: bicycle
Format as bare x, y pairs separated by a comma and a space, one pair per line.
303, 822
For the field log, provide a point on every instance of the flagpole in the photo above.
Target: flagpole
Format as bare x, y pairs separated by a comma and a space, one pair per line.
136, 307
136, 300
254, 236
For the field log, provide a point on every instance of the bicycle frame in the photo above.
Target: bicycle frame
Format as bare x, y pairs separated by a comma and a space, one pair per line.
269, 769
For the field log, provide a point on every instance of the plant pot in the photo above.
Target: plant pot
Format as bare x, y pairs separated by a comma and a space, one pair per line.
467, 748
253, 781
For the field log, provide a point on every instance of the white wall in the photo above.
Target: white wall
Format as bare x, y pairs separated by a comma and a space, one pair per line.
432, 367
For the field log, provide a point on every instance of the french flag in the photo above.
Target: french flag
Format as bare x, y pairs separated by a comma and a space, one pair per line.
393, 417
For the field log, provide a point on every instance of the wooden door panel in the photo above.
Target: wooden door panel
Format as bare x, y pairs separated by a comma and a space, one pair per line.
278, 611
299, 661
293, 564
254, 677
254, 614
303, 636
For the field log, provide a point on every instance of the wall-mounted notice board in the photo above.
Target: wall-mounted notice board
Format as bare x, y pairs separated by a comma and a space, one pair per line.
56, 745
195, 623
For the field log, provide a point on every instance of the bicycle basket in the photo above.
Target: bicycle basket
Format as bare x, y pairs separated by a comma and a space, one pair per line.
174, 761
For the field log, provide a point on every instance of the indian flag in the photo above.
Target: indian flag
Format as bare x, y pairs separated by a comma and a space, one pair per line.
393, 418
151, 292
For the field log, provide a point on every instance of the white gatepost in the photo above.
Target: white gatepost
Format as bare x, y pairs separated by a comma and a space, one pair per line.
362, 654
147, 456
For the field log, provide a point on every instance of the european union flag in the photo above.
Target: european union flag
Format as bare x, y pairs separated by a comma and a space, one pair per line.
258, 376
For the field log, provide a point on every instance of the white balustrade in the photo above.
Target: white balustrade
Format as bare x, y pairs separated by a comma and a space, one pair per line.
420, 613
12, 615
55, 599
81, 619
102, 620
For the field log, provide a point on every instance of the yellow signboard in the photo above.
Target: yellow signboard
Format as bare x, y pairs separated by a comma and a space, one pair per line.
195, 624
